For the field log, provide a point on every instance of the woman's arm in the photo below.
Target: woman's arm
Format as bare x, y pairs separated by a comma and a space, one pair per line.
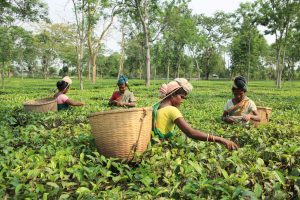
254, 116
74, 103
196, 134
112, 102
129, 104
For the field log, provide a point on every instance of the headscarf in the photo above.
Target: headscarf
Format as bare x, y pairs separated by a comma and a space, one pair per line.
67, 79
240, 83
167, 89
122, 80
184, 84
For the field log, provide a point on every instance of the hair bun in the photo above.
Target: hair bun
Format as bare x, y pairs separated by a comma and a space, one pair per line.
240, 82
61, 85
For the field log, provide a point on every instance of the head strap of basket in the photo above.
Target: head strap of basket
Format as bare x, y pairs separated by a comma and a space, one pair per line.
166, 90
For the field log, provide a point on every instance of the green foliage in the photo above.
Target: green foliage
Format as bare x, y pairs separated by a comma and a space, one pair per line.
32, 10
53, 155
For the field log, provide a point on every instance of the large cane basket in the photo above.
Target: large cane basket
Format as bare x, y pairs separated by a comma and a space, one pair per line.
264, 114
121, 133
41, 105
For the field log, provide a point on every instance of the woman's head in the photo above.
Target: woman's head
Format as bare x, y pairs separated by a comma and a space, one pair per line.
62, 86
175, 91
122, 80
239, 88
122, 83
239, 83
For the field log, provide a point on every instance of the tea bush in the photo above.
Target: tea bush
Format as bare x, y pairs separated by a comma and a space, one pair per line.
53, 155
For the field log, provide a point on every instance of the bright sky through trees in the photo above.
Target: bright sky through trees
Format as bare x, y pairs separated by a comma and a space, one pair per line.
60, 11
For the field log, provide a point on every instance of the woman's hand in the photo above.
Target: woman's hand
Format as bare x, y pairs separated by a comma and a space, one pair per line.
246, 118
118, 103
229, 120
229, 144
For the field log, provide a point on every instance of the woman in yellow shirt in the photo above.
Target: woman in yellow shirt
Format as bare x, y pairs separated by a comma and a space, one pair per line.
166, 114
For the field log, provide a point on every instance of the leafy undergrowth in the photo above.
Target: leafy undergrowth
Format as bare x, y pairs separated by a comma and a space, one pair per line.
53, 155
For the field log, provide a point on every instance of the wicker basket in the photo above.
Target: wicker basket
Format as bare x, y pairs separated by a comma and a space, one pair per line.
41, 105
264, 113
121, 133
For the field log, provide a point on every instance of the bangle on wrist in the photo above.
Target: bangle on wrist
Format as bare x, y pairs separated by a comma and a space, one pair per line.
207, 137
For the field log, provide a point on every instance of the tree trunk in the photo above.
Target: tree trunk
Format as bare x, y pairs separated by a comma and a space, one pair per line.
278, 68
198, 69
94, 57
178, 67
89, 36
80, 68
143, 17
140, 71
2, 74
78, 63
168, 71
148, 69
154, 72
121, 62
89, 69
207, 75
249, 60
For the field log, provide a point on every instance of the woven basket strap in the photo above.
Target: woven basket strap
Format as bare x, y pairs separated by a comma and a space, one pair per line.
166, 96
134, 146
237, 106
243, 106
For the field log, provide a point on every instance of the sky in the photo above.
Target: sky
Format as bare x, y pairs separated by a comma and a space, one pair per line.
60, 11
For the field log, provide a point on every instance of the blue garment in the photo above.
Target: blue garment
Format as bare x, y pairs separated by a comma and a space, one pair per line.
64, 106
122, 80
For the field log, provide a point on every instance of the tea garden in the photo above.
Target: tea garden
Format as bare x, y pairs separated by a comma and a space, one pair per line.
53, 155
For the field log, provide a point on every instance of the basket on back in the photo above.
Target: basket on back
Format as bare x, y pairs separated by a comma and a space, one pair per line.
264, 113
120, 133
41, 105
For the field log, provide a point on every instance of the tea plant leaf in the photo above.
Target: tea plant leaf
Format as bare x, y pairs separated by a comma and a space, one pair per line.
82, 190
279, 176
196, 166
258, 190
18, 188
64, 196
249, 195
52, 184
146, 181
45, 196
260, 162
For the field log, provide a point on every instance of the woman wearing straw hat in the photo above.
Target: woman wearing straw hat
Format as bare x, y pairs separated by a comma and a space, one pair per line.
166, 114
240, 108
63, 101
123, 97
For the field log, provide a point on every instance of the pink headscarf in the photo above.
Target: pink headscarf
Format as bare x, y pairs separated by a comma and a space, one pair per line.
166, 89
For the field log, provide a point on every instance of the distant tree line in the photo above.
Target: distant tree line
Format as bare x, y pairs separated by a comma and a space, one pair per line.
160, 39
